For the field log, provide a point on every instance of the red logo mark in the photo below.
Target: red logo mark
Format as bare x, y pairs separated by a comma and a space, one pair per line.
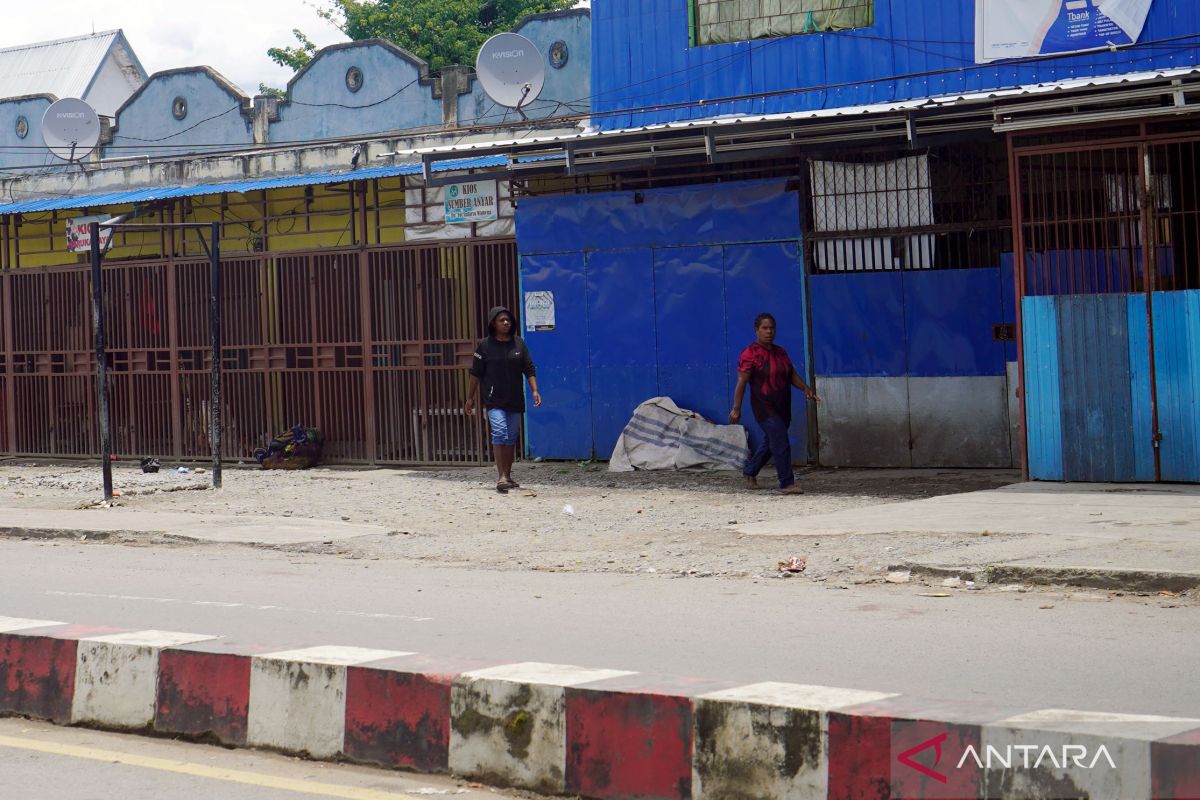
905, 758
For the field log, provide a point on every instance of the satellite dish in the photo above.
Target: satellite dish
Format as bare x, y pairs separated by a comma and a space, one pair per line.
511, 70
70, 129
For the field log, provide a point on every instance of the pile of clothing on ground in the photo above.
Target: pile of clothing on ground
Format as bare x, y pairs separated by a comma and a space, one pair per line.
298, 448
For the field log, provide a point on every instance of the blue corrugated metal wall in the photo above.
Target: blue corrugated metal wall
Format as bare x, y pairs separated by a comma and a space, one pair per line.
1177, 369
1095, 381
1087, 386
1043, 393
655, 294
1139, 389
641, 59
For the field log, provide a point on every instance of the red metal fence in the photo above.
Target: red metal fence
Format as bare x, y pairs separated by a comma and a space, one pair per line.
368, 345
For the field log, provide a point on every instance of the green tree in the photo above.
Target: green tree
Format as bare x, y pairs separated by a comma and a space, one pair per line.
442, 32
294, 57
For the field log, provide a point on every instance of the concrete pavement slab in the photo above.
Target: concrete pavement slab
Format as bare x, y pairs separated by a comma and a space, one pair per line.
1112, 511
225, 528
1113, 536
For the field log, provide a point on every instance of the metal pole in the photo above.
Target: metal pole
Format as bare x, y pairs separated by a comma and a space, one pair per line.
214, 319
101, 367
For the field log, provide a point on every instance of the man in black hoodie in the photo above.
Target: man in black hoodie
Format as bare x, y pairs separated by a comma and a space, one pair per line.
500, 361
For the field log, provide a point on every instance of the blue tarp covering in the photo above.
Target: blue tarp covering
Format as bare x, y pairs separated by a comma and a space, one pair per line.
687, 215
642, 59
655, 294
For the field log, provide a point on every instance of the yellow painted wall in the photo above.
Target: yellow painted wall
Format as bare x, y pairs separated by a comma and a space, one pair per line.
40, 239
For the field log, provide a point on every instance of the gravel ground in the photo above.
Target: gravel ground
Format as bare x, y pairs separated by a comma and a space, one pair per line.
566, 517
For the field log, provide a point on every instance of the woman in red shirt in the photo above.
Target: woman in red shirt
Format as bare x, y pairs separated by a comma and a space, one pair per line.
765, 366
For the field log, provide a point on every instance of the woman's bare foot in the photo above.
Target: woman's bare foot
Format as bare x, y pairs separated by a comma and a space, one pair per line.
752, 483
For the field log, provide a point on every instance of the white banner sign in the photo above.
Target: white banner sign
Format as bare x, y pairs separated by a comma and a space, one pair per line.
79, 234
471, 201
1025, 28
539, 311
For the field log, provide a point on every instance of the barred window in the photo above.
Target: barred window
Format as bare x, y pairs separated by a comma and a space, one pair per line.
946, 208
721, 21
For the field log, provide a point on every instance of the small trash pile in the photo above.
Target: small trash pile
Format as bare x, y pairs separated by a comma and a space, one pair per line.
298, 448
793, 565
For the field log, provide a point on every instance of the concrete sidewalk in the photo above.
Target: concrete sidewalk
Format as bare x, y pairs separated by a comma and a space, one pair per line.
104, 523
1120, 536
1125, 537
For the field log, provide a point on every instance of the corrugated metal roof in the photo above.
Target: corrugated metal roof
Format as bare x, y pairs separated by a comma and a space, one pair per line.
63, 67
238, 187
830, 113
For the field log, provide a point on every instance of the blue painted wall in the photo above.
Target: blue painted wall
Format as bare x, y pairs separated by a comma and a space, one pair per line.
217, 113
642, 58
397, 94
16, 152
319, 104
655, 294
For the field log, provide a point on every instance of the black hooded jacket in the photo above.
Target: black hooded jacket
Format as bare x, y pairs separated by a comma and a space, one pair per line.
500, 365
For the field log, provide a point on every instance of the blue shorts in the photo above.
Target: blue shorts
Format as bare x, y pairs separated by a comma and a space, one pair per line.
505, 425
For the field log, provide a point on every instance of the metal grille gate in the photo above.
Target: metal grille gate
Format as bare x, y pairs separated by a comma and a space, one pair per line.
1108, 273
369, 345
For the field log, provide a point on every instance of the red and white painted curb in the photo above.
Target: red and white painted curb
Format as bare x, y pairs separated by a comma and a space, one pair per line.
598, 733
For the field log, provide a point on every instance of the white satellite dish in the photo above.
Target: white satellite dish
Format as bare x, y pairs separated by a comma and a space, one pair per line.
70, 129
511, 70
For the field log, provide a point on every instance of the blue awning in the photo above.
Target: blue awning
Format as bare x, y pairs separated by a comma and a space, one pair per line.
240, 187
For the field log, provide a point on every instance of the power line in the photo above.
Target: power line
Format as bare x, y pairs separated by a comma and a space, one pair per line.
1170, 43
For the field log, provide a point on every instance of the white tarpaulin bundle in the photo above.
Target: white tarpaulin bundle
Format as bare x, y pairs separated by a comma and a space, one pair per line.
661, 435
1023, 28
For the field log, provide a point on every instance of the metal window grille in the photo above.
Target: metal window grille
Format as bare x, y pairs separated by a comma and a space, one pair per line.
945, 208
723, 21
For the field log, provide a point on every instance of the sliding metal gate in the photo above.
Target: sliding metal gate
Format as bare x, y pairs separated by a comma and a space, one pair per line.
368, 345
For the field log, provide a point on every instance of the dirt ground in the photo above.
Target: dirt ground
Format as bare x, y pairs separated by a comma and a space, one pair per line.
566, 517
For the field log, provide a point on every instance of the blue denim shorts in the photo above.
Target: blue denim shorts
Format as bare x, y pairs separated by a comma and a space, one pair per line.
505, 425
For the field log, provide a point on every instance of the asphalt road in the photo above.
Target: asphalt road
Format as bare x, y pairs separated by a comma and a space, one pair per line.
39, 761
1087, 651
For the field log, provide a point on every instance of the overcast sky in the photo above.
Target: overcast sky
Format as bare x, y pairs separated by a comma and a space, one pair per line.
231, 36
